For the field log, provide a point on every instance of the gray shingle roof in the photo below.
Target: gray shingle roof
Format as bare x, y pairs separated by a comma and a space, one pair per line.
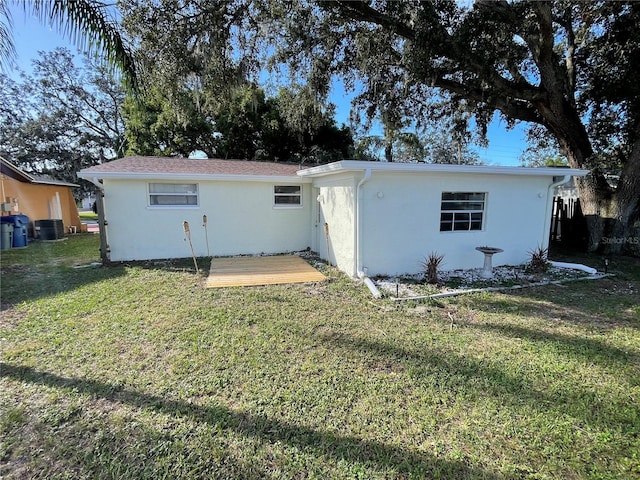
185, 166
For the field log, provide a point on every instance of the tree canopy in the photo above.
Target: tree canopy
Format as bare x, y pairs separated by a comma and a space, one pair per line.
61, 118
567, 69
242, 124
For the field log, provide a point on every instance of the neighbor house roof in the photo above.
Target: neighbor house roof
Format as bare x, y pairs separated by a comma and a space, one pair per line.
354, 165
166, 168
11, 170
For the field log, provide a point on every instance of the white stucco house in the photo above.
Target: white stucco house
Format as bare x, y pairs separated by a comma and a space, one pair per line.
380, 218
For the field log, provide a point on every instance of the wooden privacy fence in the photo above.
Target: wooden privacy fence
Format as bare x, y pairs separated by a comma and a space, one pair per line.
568, 225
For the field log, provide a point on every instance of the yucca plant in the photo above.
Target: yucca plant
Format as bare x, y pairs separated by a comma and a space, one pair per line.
430, 266
538, 260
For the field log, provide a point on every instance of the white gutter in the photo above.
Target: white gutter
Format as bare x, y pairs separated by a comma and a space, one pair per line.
546, 231
360, 269
357, 165
370, 285
363, 180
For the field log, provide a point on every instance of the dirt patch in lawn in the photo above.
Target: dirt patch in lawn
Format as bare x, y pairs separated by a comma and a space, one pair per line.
10, 317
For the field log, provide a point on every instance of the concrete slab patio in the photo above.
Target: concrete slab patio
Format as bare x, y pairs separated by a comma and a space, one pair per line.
253, 271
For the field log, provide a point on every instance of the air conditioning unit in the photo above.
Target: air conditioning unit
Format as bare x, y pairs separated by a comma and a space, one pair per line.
50, 229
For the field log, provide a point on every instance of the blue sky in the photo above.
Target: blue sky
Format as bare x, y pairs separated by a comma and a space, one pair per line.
31, 36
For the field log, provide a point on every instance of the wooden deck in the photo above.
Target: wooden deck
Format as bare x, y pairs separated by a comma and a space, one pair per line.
251, 271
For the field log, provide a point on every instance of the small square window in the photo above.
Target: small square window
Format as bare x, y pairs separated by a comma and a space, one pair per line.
287, 195
173, 194
461, 211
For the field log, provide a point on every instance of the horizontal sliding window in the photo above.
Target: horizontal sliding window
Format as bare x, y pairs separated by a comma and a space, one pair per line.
462, 211
287, 195
173, 194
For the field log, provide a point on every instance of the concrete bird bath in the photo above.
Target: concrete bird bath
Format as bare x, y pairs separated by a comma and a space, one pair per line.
487, 269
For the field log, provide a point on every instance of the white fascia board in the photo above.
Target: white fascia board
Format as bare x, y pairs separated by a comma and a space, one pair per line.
31, 179
55, 184
16, 170
355, 165
167, 177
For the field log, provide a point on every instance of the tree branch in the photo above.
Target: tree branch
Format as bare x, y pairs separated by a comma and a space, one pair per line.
361, 11
510, 106
567, 23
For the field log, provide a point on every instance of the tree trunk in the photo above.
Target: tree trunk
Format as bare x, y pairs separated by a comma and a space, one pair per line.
623, 236
593, 205
593, 189
388, 151
613, 215
624, 233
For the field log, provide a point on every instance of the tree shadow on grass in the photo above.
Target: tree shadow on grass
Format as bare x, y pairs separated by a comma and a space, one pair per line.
24, 285
454, 372
587, 349
598, 304
336, 447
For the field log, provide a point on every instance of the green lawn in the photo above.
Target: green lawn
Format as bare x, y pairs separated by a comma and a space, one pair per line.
88, 216
136, 371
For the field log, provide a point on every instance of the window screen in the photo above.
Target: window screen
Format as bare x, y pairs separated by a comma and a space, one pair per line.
173, 194
287, 195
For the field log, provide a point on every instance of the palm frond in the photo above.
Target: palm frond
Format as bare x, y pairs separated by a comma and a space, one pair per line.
7, 47
91, 28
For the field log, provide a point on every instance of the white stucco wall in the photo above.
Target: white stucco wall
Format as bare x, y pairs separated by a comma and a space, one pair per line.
241, 219
337, 209
401, 220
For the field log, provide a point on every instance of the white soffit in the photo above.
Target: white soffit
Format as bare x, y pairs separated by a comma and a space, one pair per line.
355, 165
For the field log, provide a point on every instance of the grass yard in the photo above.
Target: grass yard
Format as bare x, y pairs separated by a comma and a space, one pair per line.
136, 371
87, 215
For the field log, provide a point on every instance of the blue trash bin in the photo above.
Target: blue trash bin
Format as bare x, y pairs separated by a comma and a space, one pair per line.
20, 229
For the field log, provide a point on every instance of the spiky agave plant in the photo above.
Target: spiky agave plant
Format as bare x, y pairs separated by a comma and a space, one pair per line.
539, 260
430, 266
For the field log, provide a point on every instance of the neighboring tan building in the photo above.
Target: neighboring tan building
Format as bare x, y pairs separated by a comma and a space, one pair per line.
38, 198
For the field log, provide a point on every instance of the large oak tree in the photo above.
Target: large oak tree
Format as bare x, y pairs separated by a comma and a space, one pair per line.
567, 67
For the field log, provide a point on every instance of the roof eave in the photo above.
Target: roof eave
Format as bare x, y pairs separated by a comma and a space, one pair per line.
35, 180
16, 170
55, 184
355, 165
88, 175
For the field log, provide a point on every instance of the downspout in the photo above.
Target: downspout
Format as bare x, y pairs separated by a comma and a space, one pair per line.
547, 229
360, 269
102, 223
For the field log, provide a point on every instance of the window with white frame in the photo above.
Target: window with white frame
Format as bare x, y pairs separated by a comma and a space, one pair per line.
173, 194
462, 211
287, 195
